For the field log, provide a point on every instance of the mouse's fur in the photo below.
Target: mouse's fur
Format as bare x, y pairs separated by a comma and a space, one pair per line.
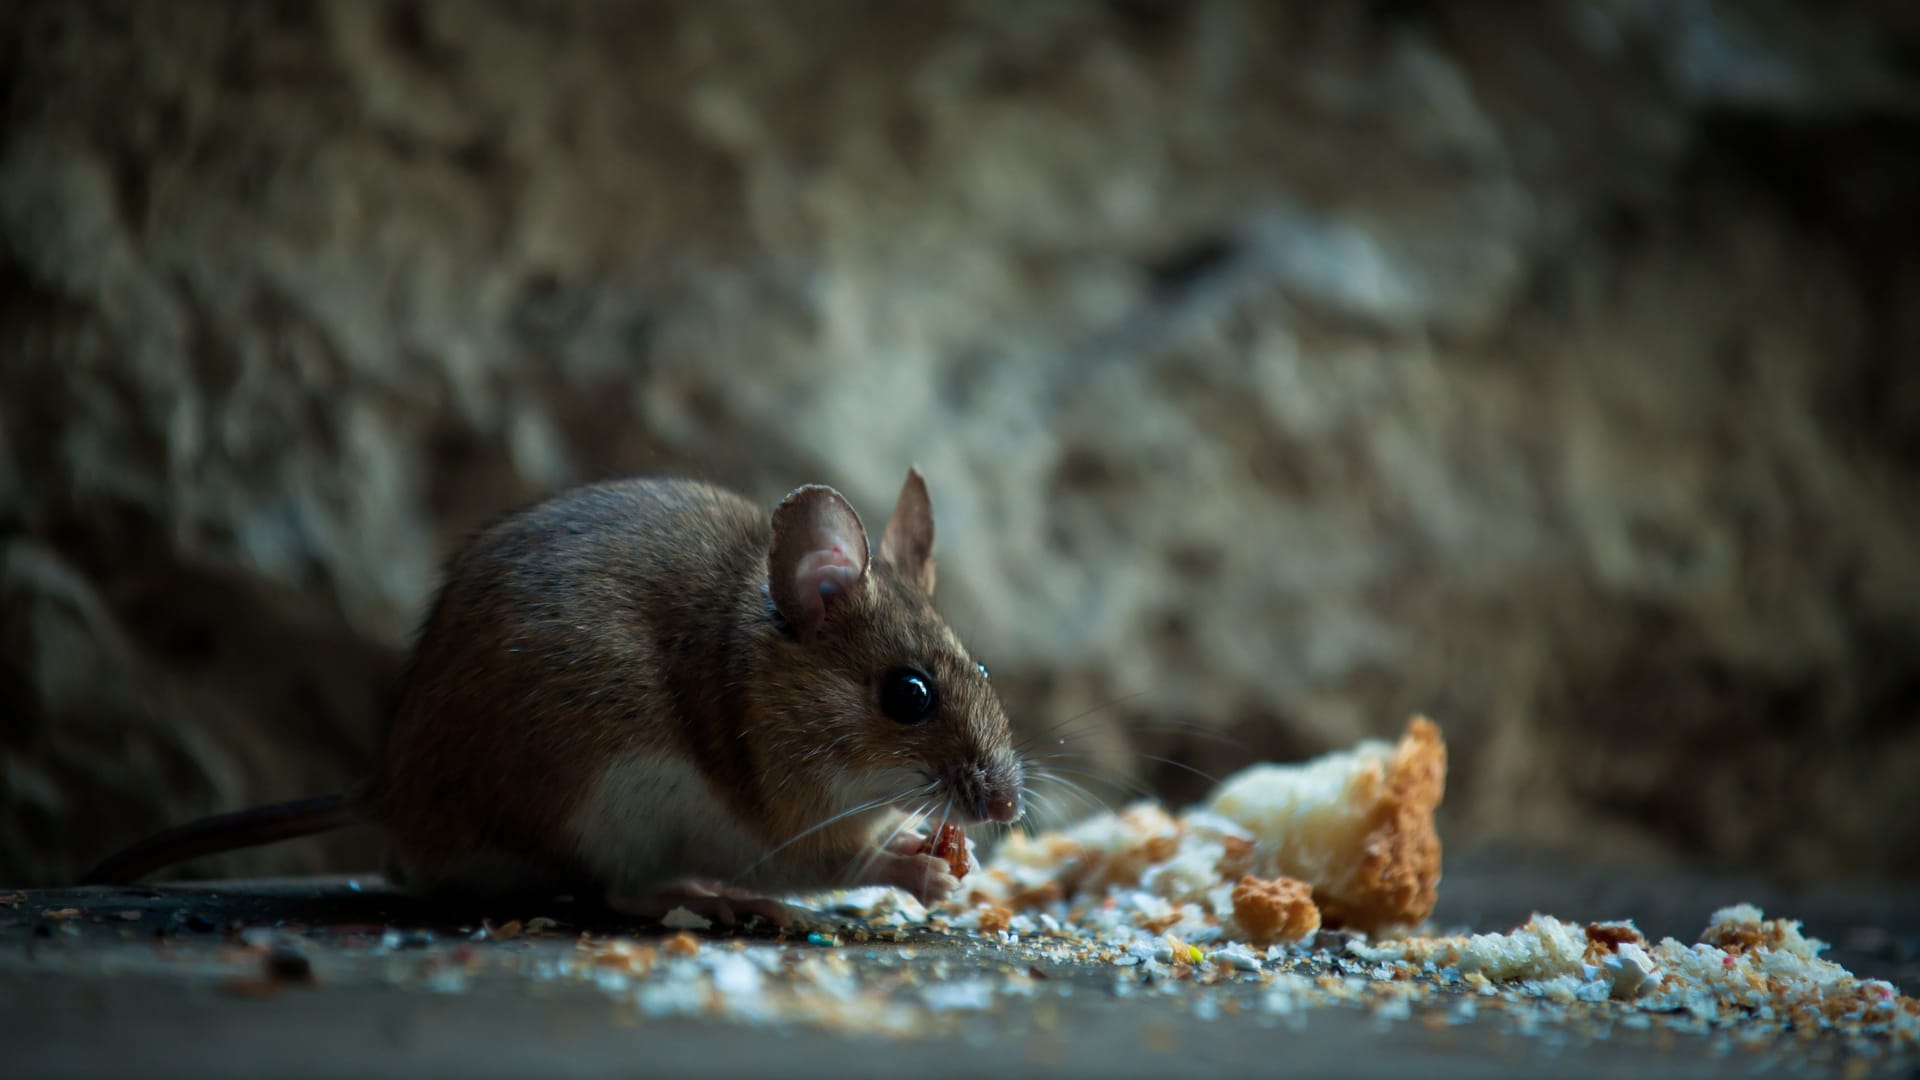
646, 681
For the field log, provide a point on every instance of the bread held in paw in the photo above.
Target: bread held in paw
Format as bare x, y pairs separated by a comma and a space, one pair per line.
949, 843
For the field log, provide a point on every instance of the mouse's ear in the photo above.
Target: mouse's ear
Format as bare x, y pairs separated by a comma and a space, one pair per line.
907, 545
818, 558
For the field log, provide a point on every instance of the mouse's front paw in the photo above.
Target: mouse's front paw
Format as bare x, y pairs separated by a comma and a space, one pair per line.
923, 877
906, 842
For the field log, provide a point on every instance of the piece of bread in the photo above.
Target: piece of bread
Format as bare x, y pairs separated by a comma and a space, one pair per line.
1344, 840
1277, 910
1356, 825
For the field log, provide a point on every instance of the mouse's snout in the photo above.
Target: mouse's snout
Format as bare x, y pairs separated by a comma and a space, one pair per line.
990, 794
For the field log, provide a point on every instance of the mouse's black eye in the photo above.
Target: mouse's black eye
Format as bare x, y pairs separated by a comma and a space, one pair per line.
983, 671
906, 695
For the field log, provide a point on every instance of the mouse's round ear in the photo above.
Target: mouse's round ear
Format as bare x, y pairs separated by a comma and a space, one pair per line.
818, 558
907, 543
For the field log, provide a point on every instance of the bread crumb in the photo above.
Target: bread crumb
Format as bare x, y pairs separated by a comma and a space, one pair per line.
1278, 910
1741, 929
1609, 936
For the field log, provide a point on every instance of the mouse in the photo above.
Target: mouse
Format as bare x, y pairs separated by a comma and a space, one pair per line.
653, 689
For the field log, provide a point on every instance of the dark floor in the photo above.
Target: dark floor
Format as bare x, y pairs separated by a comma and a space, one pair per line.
143, 983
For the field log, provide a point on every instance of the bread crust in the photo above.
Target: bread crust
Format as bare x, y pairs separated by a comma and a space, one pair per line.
1394, 876
1278, 910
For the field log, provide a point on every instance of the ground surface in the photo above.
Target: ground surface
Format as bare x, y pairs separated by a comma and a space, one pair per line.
155, 982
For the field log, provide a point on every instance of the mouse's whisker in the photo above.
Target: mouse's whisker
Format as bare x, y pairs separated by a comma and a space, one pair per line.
1085, 730
911, 820
1162, 726
1069, 786
1131, 785
870, 804
1202, 773
1187, 727
1054, 737
1047, 808
862, 861
1060, 735
946, 815
1103, 706
1026, 823
1050, 805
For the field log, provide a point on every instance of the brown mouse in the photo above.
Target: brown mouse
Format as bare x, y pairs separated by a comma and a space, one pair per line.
650, 688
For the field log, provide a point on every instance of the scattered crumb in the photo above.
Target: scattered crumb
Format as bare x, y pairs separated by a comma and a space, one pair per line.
1277, 910
1760, 975
1741, 928
1607, 937
995, 919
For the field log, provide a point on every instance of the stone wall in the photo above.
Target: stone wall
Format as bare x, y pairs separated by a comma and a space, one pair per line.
1278, 369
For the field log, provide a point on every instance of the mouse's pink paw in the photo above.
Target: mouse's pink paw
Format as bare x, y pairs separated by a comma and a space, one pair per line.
923, 877
909, 842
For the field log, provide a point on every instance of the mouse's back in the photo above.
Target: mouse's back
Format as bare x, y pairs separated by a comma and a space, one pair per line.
548, 652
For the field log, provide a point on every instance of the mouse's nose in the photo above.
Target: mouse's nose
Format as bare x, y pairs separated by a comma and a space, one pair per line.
985, 794
999, 801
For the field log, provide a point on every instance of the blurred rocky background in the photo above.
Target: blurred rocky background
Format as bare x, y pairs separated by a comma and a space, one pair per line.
1279, 369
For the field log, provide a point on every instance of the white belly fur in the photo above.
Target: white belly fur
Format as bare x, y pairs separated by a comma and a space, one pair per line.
651, 819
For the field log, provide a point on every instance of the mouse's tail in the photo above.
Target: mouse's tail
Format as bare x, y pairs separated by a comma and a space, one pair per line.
222, 832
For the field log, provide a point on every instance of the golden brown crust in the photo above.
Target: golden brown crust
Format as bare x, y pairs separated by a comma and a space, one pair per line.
1742, 937
1278, 910
1605, 938
1396, 877
1611, 935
